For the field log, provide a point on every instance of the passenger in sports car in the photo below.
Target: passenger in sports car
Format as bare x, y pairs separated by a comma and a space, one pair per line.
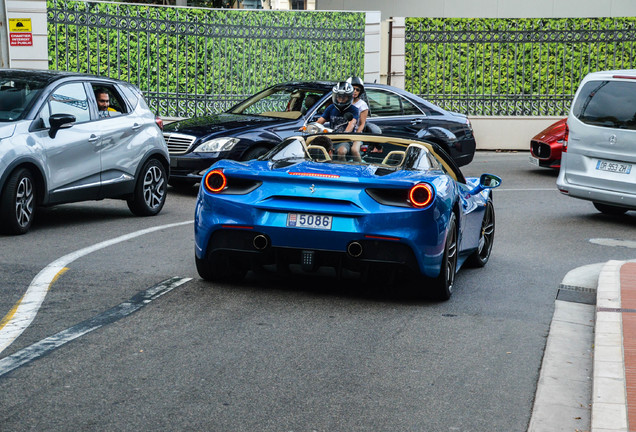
363, 108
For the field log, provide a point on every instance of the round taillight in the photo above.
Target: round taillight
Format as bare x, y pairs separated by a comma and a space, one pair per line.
421, 195
215, 181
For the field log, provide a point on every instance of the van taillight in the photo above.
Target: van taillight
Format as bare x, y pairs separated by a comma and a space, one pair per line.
566, 134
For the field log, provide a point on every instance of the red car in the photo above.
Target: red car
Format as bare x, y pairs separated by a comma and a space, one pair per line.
547, 145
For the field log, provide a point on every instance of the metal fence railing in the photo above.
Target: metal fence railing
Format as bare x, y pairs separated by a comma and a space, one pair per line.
512, 66
191, 61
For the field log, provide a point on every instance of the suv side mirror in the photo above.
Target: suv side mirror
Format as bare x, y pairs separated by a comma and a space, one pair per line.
59, 121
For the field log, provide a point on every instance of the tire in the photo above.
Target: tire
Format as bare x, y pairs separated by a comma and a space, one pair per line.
150, 191
220, 268
610, 209
443, 284
480, 257
17, 204
254, 152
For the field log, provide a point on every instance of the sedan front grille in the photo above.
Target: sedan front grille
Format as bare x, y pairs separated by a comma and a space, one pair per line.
178, 143
540, 150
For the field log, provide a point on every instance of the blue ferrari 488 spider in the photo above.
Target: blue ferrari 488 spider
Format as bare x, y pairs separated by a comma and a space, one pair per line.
402, 211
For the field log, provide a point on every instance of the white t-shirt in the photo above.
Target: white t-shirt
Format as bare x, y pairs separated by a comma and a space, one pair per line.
361, 105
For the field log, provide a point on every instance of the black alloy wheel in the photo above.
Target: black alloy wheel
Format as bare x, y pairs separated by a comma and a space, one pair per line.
443, 284
480, 257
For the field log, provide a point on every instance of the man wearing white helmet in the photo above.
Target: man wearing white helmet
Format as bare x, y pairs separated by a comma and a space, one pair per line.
341, 115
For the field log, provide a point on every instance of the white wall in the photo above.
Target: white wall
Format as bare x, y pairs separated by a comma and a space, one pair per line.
487, 8
507, 132
35, 56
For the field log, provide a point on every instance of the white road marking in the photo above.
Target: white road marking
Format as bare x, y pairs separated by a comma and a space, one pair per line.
614, 242
51, 343
527, 190
27, 308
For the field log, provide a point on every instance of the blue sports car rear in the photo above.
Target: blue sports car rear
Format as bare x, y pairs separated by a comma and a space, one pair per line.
405, 211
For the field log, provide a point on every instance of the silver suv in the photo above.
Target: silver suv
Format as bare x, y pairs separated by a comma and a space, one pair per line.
57, 145
599, 157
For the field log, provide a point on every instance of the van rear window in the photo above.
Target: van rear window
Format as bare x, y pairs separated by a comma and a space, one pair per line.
607, 104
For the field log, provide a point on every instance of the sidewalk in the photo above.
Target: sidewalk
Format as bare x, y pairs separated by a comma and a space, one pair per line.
614, 389
588, 374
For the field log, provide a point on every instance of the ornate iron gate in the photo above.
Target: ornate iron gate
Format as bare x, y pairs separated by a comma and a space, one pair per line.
190, 62
512, 66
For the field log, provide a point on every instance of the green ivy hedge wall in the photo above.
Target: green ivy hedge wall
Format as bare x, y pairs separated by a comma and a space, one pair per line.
190, 61
485, 62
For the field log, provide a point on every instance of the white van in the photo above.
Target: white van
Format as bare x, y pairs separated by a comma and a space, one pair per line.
599, 156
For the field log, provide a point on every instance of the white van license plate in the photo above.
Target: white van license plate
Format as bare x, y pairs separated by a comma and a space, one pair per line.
302, 220
614, 167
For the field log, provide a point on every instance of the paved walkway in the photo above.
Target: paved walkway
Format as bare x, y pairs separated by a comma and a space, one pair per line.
614, 389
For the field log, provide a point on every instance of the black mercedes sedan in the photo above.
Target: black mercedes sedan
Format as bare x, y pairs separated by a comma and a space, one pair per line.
255, 125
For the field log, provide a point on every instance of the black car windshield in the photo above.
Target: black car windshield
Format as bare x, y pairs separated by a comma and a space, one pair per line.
15, 95
281, 102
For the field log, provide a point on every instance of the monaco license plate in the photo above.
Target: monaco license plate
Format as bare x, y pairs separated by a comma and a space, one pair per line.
533, 160
615, 167
303, 220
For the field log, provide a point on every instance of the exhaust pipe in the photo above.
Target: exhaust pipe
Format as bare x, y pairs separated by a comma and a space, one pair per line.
354, 249
260, 242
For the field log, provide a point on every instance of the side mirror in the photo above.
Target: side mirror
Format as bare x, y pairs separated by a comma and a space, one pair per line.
59, 121
489, 181
486, 181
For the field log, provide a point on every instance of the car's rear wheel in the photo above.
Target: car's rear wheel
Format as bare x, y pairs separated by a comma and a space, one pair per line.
610, 209
443, 284
17, 206
480, 257
220, 267
150, 191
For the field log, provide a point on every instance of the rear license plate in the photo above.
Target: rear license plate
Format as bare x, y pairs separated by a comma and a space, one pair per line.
614, 167
302, 220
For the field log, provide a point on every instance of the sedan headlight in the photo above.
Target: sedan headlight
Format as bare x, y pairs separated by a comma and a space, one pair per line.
217, 145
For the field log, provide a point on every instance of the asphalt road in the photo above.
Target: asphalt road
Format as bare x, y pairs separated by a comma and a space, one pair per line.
304, 354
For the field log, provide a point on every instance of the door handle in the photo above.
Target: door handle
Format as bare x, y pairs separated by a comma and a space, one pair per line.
93, 138
416, 121
136, 126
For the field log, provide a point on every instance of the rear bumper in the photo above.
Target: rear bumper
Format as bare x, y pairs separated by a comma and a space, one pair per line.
596, 195
254, 248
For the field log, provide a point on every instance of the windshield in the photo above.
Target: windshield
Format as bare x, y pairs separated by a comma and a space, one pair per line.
384, 153
281, 102
15, 95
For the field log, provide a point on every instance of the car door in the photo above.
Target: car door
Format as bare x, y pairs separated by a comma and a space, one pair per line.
393, 113
72, 158
122, 145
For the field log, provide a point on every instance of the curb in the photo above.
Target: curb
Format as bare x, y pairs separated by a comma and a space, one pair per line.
609, 394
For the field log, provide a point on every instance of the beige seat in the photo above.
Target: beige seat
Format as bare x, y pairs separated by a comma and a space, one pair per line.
318, 153
394, 158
